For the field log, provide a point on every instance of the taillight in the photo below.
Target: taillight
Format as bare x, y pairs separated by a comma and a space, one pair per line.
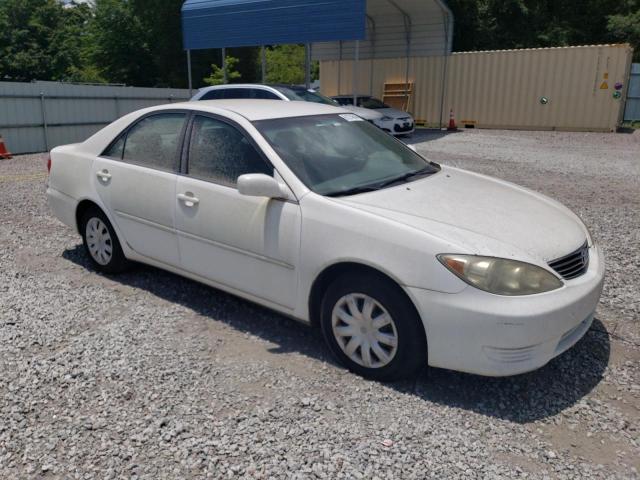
49, 163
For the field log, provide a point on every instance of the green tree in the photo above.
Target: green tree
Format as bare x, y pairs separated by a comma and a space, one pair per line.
500, 24
625, 27
118, 44
285, 64
217, 73
27, 28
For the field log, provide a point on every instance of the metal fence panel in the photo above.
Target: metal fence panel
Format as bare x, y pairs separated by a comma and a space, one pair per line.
632, 110
35, 117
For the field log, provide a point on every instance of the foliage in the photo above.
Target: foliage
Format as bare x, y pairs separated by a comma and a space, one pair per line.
36, 39
217, 73
139, 42
625, 26
500, 24
286, 64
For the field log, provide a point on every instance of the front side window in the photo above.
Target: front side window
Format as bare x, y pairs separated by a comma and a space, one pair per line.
342, 154
153, 141
219, 152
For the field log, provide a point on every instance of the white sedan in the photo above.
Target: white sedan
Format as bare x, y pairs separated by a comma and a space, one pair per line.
313, 212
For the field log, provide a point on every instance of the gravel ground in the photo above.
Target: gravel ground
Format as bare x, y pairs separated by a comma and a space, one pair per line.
148, 375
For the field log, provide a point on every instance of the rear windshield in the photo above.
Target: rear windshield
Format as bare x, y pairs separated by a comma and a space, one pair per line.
298, 94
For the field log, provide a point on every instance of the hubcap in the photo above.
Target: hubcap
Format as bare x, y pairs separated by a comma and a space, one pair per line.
99, 241
364, 330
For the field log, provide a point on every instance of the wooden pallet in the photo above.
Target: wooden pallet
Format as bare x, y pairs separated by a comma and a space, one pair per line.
398, 95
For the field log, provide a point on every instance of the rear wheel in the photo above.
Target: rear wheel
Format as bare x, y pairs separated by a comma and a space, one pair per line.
372, 327
101, 243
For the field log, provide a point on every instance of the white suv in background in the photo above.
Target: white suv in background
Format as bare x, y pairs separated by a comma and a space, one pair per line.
393, 121
288, 93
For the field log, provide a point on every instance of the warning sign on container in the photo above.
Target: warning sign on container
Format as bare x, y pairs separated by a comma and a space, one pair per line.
604, 86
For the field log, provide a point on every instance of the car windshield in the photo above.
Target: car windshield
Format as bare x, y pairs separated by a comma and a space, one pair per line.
370, 102
299, 94
342, 154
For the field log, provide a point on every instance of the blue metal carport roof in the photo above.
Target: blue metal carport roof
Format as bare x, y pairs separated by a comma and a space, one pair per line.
239, 23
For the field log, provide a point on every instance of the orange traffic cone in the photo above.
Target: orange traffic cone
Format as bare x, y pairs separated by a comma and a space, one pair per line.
4, 153
452, 122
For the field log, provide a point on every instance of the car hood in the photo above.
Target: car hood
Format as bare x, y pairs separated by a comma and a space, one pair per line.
480, 215
393, 113
365, 113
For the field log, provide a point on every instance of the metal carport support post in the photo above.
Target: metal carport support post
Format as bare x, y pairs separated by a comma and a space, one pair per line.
307, 65
407, 30
224, 65
355, 73
447, 22
263, 62
372, 41
189, 73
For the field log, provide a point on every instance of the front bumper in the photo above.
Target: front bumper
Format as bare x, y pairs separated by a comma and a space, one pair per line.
397, 126
478, 332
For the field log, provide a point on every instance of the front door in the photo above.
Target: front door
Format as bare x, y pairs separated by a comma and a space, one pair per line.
136, 180
248, 243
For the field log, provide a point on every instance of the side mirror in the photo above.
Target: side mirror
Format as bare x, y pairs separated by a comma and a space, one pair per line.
412, 147
261, 185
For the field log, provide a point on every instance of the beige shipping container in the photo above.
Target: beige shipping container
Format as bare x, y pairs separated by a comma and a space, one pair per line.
565, 88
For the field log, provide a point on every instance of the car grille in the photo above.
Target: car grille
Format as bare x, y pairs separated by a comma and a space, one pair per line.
405, 127
572, 265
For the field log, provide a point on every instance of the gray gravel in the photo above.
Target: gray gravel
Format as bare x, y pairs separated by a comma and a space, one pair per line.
148, 375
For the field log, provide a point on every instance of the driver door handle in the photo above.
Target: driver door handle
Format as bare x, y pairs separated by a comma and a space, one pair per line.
188, 200
103, 175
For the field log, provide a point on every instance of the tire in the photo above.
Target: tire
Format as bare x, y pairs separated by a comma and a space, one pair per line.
373, 296
101, 242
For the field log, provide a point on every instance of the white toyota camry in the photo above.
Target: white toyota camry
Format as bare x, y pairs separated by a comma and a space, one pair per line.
313, 212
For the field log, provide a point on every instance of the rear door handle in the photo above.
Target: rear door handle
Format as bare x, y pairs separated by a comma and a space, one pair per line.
188, 199
103, 175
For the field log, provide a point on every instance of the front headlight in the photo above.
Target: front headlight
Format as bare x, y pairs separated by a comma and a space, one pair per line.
500, 275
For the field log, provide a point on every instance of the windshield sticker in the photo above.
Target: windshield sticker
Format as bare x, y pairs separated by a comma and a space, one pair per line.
351, 117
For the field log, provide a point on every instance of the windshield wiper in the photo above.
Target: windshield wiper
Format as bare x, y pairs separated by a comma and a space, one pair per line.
407, 176
377, 186
353, 191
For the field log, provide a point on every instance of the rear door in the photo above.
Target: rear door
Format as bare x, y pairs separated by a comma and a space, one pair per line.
248, 243
136, 180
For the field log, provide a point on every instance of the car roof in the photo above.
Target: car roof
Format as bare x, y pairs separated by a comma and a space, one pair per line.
260, 109
254, 85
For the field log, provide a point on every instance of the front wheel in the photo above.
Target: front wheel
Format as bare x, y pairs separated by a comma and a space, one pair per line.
372, 327
101, 243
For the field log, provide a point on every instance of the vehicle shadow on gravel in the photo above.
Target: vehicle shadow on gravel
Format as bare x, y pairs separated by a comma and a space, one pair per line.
523, 398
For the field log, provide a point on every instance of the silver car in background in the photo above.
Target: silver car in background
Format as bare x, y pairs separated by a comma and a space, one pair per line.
393, 121
288, 93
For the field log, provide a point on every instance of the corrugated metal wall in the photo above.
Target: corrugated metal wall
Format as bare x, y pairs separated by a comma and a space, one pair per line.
35, 117
503, 89
632, 111
386, 35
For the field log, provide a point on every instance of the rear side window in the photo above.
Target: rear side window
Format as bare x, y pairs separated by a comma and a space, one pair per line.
212, 95
153, 141
264, 95
220, 153
237, 93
